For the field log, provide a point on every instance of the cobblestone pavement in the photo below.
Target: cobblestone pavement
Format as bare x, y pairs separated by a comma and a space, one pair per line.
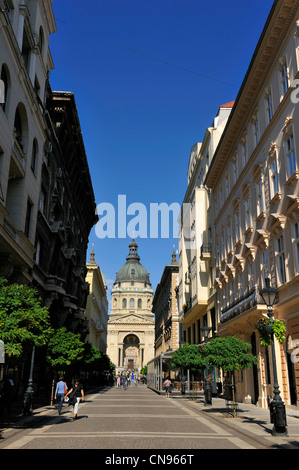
138, 419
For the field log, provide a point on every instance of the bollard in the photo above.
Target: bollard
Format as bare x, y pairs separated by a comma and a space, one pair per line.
279, 419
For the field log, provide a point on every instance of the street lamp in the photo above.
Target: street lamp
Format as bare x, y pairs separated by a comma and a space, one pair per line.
277, 407
28, 396
208, 389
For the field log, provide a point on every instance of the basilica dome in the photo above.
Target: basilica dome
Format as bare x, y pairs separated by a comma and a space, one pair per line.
133, 270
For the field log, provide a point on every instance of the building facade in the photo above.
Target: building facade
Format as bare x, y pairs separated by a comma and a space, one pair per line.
47, 205
254, 179
197, 295
25, 64
66, 214
131, 325
165, 309
97, 305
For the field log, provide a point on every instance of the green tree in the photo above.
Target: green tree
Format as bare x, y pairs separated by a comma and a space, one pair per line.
64, 349
230, 353
24, 322
189, 356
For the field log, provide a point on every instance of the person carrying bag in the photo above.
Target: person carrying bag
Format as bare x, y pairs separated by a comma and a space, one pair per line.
75, 395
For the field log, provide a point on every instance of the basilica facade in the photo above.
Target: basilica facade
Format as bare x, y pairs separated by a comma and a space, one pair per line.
131, 325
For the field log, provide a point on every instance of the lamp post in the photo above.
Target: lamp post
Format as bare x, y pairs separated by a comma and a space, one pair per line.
277, 407
208, 389
28, 397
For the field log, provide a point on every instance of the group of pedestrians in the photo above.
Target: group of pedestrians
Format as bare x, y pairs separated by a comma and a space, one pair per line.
72, 396
126, 379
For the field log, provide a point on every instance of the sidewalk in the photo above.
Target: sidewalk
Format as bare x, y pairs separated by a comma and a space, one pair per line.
17, 419
249, 418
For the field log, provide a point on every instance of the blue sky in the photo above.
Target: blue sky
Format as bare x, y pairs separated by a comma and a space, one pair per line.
148, 78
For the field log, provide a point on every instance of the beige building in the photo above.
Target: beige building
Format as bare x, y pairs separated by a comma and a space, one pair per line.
97, 305
131, 325
254, 178
197, 300
25, 63
165, 309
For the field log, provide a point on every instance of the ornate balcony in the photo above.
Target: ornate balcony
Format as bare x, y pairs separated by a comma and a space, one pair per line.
242, 303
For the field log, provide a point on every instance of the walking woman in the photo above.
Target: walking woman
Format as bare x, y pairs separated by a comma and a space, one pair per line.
77, 393
61, 390
167, 385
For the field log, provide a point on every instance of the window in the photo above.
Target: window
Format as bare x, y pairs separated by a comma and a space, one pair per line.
259, 197
235, 171
132, 303
227, 186
269, 107
42, 200
34, 156
290, 154
256, 132
237, 226
139, 303
28, 218
284, 80
296, 242
274, 177
265, 266
244, 154
247, 213
281, 261
4, 84
222, 248
221, 197
229, 238
124, 303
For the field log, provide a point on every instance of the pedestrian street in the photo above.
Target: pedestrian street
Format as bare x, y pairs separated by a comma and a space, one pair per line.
135, 418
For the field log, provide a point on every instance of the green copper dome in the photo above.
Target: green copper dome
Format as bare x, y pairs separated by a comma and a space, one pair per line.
132, 270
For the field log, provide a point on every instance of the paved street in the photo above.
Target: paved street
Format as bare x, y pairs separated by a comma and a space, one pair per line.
138, 418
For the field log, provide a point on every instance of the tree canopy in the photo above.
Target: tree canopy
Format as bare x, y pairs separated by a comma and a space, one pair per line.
64, 348
230, 353
24, 322
188, 357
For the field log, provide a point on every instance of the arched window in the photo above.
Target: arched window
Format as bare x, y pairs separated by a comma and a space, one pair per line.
124, 303
139, 303
132, 303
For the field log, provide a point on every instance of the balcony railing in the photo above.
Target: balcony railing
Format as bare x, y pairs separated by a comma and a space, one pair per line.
244, 302
206, 251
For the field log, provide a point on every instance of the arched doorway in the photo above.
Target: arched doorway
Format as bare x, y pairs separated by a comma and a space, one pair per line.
131, 346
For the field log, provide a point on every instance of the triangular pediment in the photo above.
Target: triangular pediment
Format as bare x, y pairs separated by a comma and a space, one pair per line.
131, 318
